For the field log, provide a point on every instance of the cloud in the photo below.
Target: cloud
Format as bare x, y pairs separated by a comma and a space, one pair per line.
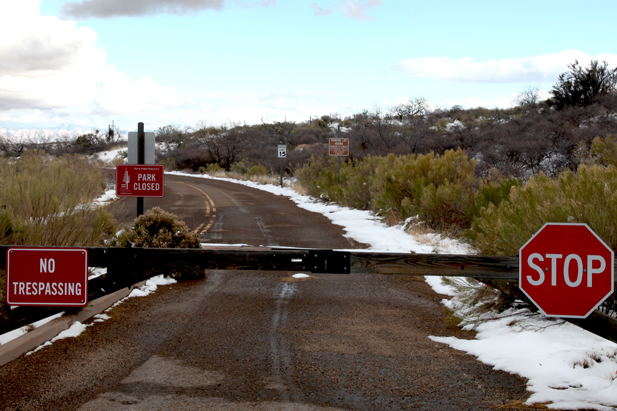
49, 64
321, 11
131, 8
357, 9
539, 69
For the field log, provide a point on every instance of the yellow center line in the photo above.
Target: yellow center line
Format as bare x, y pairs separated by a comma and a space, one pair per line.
210, 207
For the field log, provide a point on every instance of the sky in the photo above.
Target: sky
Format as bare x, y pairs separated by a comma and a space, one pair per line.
87, 63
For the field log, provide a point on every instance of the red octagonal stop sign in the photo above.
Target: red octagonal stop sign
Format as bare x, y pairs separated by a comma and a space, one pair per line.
566, 270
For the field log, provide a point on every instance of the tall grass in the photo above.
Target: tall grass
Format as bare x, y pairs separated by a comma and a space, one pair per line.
42, 198
42, 203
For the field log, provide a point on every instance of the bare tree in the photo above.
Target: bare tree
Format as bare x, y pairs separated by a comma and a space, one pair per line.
529, 97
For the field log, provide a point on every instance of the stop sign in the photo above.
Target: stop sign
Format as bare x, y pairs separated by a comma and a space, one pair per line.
566, 270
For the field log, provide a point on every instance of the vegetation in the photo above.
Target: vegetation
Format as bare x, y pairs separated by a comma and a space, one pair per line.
42, 203
160, 229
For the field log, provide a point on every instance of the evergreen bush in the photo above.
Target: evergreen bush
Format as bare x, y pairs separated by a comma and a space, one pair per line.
159, 229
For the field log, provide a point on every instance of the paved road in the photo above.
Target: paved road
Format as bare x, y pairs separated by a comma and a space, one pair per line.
260, 340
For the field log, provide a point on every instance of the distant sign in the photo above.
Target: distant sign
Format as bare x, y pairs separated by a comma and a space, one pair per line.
339, 147
137, 180
47, 277
282, 151
148, 147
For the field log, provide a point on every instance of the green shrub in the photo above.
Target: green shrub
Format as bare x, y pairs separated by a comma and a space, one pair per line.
202, 170
604, 150
42, 202
440, 190
588, 196
159, 229
170, 164
258, 170
213, 168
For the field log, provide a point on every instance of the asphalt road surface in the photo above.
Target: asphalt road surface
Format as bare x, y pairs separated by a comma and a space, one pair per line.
248, 340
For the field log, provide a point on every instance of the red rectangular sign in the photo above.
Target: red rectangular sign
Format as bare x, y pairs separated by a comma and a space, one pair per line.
47, 277
339, 146
140, 180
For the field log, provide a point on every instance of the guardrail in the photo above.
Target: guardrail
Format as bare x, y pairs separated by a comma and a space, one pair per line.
128, 266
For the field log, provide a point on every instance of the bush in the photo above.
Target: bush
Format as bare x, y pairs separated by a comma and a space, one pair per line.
604, 150
258, 170
213, 168
42, 202
170, 164
160, 229
588, 196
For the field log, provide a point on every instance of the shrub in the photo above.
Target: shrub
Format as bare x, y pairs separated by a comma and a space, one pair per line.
213, 168
604, 150
170, 164
588, 196
258, 170
438, 189
43, 201
160, 229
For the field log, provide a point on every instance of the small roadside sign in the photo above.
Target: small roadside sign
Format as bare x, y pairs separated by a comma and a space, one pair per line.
140, 180
51, 277
282, 149
339, 146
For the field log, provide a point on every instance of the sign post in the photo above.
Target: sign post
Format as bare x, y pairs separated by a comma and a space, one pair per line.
339, 147
566, 270
282, 153
49, 277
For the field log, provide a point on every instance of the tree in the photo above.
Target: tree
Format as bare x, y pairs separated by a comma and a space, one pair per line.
582, 87
223, 145
529, 97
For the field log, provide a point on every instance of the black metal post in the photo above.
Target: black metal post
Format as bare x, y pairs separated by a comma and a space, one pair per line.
141, 153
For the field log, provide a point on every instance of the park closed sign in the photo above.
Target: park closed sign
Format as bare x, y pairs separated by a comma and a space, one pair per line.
140, 180
566, 270
47, 277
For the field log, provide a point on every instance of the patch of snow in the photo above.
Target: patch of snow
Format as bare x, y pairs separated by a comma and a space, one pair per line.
11, 335
300, 276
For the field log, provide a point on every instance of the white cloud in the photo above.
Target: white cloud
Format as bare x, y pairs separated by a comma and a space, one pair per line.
357, 9
321, 11
49, 64
115, 8
539, 69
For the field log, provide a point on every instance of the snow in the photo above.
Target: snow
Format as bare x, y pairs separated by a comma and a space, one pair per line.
566, 366
77, 327
300, 275
11, 335
109, 156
